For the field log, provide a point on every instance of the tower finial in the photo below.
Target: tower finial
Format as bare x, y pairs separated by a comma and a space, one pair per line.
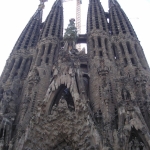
112, 2
41, 6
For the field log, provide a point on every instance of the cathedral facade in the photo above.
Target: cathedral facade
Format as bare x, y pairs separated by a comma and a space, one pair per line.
54, 97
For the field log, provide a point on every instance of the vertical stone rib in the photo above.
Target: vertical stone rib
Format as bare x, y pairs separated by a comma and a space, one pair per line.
27, 67
15, 68
21, 68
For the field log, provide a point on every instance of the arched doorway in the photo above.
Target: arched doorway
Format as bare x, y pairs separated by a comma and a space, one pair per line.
63, 93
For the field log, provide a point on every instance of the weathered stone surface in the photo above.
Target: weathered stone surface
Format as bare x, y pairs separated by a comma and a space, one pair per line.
53, 97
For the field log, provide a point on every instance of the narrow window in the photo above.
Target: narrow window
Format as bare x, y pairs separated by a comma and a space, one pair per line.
43, 49
27, 67
39, 62
129, 48
76, 78
116, 118
54, 54
1, 133
49, 48
115, 51
99, 42
47, 60
100, 53
37, 51
19, 63
83, 66
106, 44
93, 42
125, 62
137, 51
122, 49
133, 61
11, 65
94, 53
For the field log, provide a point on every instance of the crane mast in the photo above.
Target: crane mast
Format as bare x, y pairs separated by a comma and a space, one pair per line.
78, 20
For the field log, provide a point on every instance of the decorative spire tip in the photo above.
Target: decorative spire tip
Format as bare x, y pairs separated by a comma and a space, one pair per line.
41, 6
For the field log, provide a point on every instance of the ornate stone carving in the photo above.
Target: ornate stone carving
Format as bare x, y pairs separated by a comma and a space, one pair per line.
141, 82
126, 95
34, 77
136, 145
8, 102
10, 145
102, 70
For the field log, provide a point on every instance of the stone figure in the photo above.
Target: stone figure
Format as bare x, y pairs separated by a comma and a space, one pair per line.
103, 69
127, 118
126, 95
10, 145
130, 145
142, 145
62, 104
137, 78
1, 144
8, 104
136, 144
34, 76
98, 117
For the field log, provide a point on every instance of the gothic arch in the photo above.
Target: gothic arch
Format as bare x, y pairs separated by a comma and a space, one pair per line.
63, 144
137, 140
62, 93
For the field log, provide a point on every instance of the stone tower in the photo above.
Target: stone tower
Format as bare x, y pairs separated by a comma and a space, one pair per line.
54, 97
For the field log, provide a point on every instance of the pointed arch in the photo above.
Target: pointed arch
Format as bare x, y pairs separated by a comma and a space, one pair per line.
63, 144
137, 140
62, 93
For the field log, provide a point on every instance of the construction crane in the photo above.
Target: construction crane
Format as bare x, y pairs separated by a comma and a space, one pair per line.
78, 18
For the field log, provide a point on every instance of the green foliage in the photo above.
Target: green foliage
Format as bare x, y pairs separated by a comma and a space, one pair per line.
71, 32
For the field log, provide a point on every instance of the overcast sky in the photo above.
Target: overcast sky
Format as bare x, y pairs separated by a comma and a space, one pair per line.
15, 14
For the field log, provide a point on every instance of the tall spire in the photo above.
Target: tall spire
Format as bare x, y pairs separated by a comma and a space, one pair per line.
96, 16
119, 22
53, 25
30, 34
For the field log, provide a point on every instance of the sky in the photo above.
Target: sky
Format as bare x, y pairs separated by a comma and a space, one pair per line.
15, 14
